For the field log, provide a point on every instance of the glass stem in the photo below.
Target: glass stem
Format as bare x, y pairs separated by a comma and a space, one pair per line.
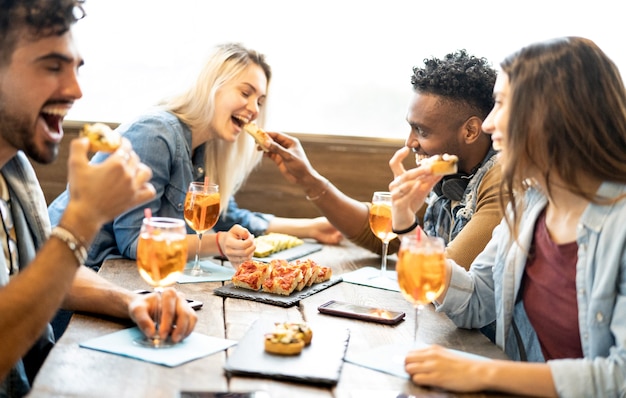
383, 263
196, 264
417, 312
157, 316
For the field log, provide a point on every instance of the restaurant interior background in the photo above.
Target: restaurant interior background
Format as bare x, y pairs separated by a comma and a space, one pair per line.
340, 67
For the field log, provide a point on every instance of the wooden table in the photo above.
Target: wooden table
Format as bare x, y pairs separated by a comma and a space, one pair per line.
74, 371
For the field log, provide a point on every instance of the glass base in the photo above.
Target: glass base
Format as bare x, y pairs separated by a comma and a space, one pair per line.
154, 342
196, 272
385, 281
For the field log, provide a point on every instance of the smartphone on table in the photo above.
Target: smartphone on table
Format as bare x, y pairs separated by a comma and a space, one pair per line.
362, 312
195, 304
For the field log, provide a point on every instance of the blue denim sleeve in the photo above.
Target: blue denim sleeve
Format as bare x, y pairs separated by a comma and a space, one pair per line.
254, 222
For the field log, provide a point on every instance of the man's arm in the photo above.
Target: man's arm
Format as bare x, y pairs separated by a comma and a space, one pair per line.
476, 234
31, 298
345, 213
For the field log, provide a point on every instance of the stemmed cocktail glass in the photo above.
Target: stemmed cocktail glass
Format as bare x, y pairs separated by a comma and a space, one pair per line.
161, 258
421, 269
380, 223
202, 210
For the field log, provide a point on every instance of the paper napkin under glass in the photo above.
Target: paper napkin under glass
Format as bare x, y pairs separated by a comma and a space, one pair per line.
368, 276
122, 343
217, 272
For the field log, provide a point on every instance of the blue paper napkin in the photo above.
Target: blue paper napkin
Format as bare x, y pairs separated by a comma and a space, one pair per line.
390, 358
217, 272
122, 343
370, 276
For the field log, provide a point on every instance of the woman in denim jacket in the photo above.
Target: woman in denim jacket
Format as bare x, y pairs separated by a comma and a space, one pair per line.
195, 134
553, 276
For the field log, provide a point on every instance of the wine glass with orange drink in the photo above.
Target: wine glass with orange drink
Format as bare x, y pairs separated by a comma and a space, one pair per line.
421, 269
161, 258
380, 224
202, 210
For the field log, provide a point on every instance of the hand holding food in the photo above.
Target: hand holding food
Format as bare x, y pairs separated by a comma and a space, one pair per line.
439, 164
101, 137
261, 137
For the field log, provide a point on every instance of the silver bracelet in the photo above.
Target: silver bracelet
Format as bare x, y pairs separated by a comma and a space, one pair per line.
314, 198
73, 243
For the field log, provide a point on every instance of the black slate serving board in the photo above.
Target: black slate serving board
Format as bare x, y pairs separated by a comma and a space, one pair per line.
231, 290
319, 363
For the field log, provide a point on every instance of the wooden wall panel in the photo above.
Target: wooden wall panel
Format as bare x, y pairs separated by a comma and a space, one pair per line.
356, 165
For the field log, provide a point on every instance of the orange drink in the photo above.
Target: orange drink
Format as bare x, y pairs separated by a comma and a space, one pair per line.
161, 257
421, 275
380, 221
421, 269
202, 210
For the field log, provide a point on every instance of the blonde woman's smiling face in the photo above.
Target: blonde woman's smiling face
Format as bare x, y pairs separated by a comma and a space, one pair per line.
239, 102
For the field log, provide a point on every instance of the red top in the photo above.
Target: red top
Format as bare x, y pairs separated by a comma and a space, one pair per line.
549, 294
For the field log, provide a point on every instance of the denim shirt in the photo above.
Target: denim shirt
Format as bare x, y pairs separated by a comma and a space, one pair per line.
490, 289
163, 143
28, 208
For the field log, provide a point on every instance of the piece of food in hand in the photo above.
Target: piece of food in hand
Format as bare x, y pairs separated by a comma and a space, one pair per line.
262, 139
274, 242
251, 274
288, 338
101, 137
439, 164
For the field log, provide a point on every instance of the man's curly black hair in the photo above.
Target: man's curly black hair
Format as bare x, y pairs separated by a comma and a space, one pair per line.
459, 77
36, 18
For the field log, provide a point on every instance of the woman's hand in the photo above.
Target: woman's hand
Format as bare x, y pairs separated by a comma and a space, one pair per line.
435, 366
237, 244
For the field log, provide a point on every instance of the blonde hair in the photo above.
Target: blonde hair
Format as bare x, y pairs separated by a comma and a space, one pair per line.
227, 163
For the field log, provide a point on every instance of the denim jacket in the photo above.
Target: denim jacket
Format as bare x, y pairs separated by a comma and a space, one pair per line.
490, 289
28, 208
163, 143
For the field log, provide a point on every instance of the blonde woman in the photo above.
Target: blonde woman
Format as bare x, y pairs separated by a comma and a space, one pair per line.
198, 133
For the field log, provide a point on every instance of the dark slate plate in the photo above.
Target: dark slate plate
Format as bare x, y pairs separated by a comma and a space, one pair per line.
319, 363
231, 290
294, 253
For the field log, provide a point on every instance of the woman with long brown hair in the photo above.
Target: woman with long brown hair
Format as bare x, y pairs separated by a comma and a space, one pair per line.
553, 276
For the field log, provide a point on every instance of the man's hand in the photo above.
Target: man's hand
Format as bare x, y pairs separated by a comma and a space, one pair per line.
178, 319
409, 189
99, 193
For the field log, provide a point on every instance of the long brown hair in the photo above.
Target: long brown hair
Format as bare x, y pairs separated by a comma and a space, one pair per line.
567, 119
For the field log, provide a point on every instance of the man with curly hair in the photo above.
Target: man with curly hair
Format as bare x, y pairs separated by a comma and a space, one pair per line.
41, 268
452, 96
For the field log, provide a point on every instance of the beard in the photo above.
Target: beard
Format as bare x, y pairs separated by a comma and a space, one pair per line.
19, 132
